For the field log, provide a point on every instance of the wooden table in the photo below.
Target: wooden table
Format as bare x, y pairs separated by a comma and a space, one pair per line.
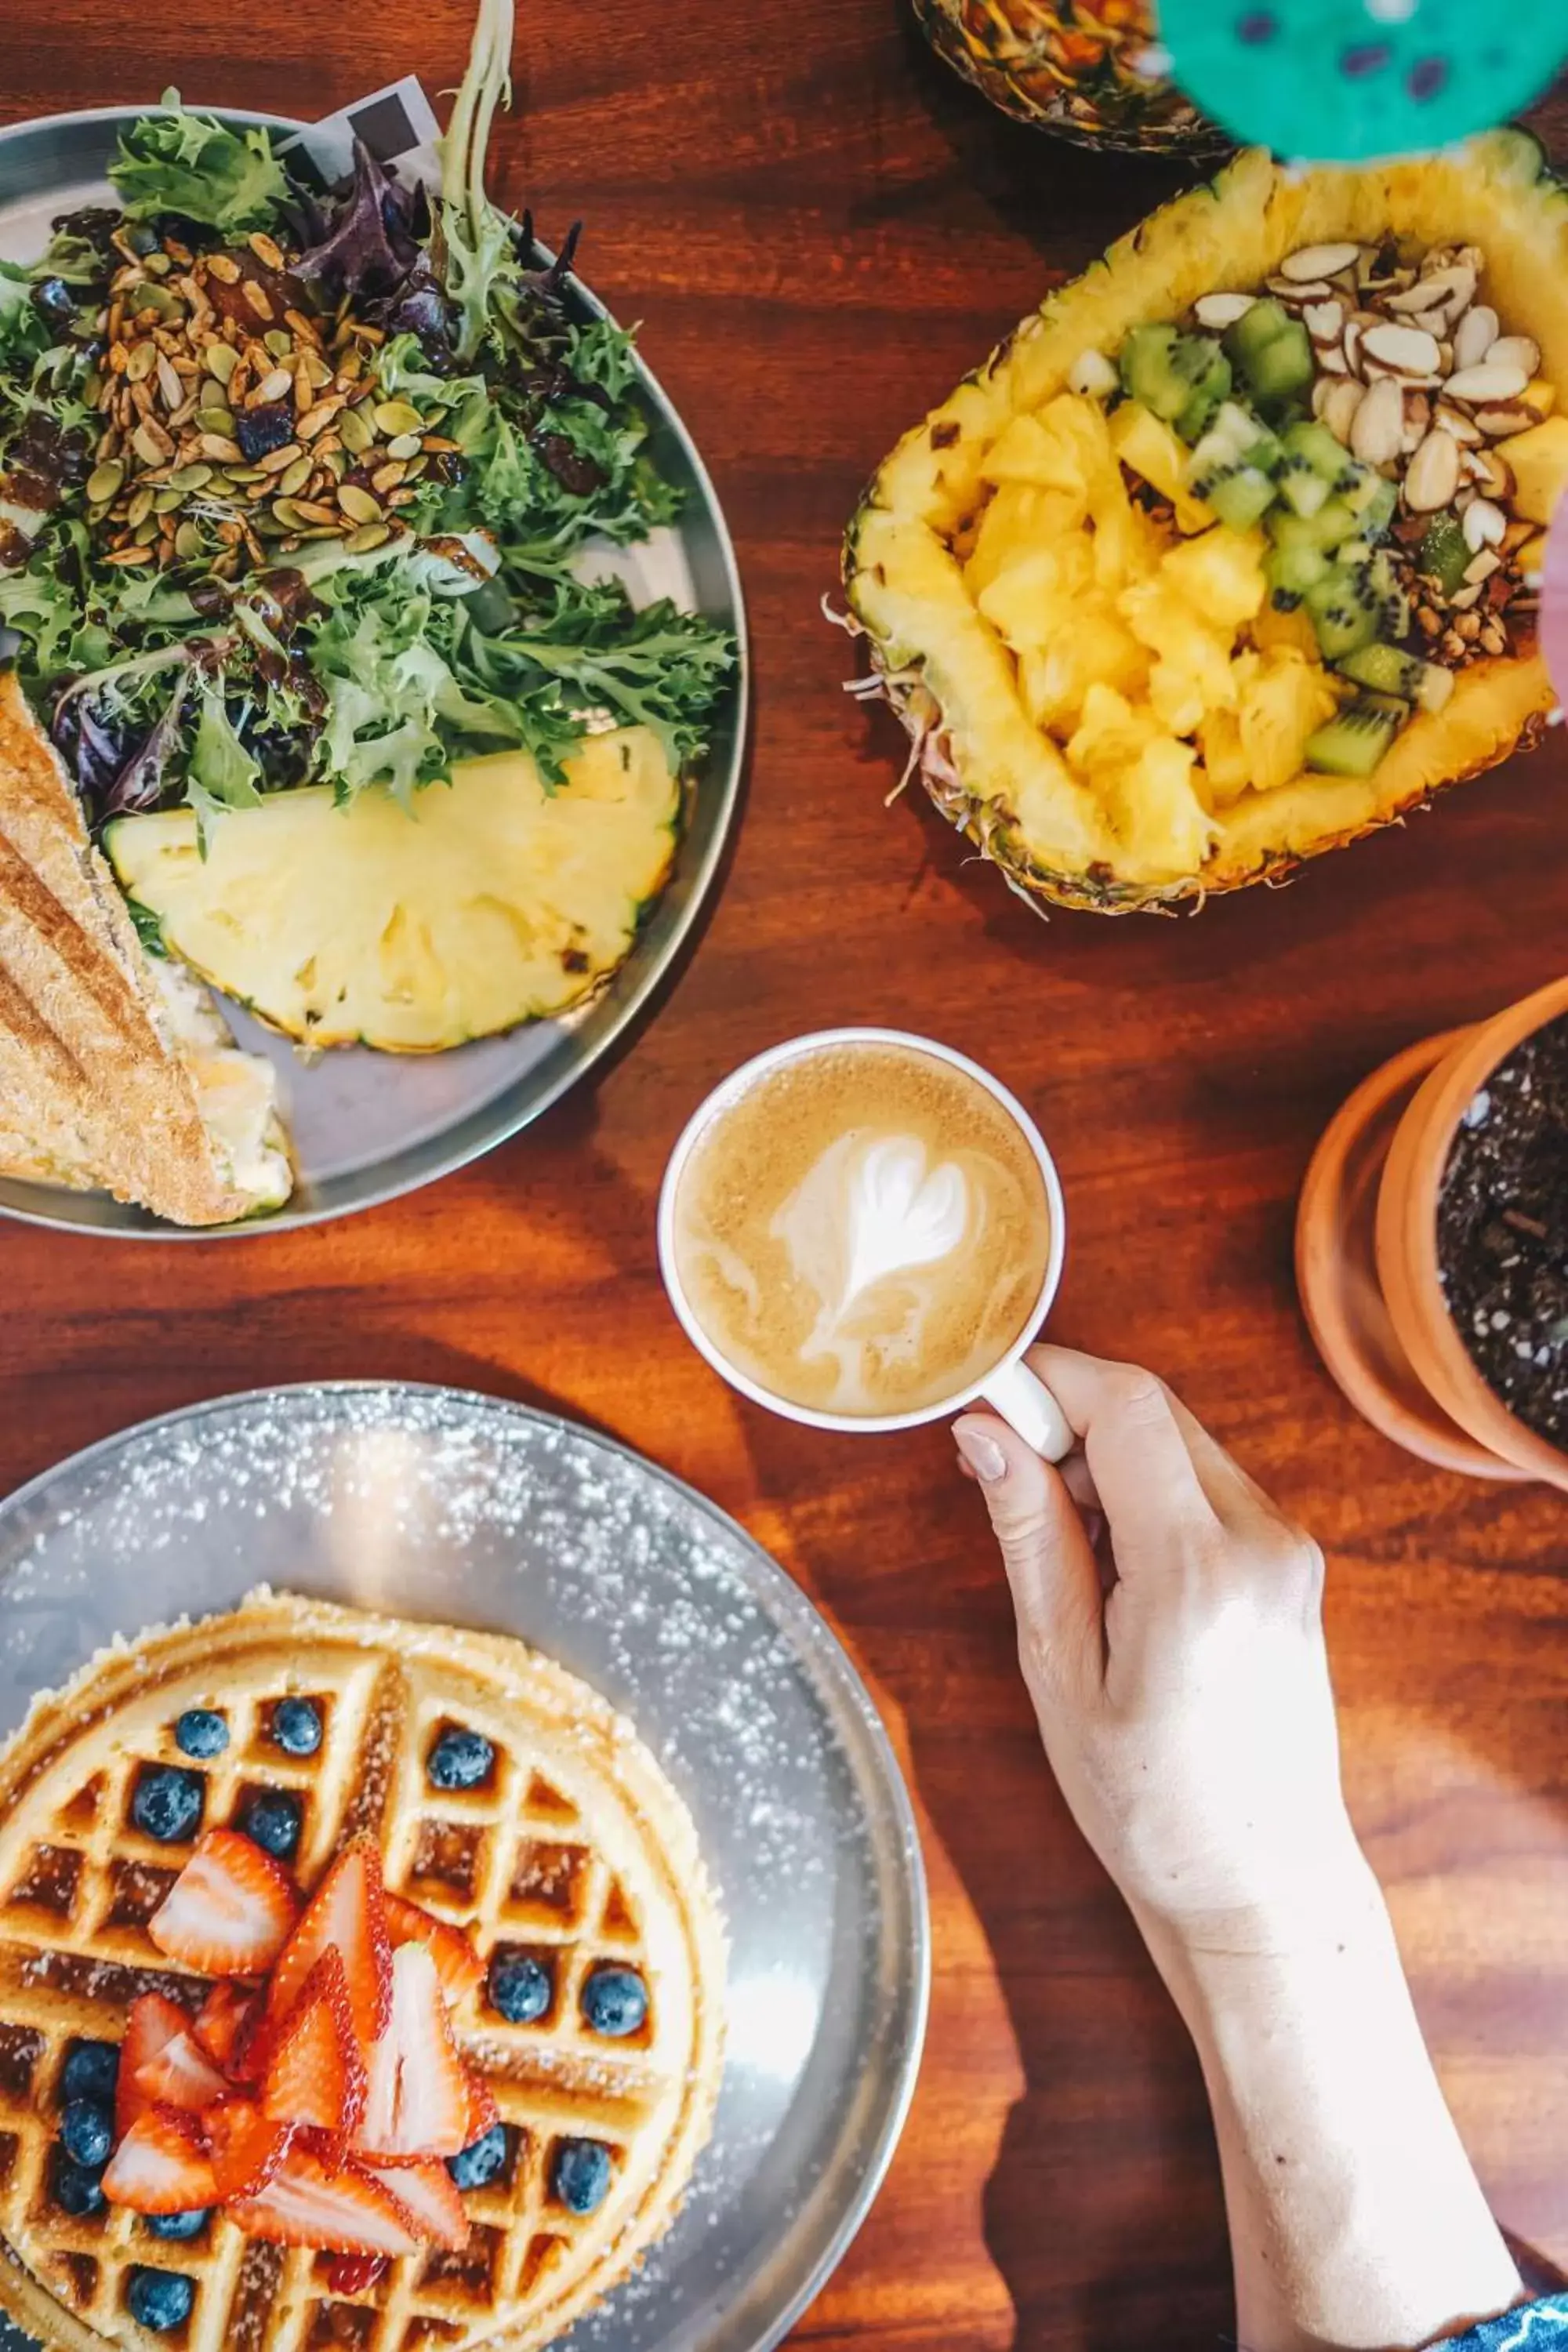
821, 232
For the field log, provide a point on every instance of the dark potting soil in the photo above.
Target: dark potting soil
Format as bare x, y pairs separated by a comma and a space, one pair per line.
1502, 1232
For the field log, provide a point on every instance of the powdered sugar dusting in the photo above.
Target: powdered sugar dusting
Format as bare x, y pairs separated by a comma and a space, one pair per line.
429, 1503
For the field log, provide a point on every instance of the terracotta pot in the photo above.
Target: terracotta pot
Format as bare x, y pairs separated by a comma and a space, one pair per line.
1366, 1255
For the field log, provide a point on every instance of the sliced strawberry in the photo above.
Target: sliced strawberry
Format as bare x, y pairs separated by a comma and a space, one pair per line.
229, 1911
315, 2074
246, 2148
429, 2196
346, 1913
223, 2020
151, 2023
161, 2166
353, 2273
182, 2075
248, 2063
307, 2204
482, 2109
457, 1964
416, 2101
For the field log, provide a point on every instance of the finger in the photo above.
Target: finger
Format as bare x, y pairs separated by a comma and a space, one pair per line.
1049, 1561
1136, 1451
1079, 1479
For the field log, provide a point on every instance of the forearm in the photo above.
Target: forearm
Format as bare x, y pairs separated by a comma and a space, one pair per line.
1356, 2220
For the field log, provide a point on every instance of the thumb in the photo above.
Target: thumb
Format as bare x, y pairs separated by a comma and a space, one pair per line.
1049, 1561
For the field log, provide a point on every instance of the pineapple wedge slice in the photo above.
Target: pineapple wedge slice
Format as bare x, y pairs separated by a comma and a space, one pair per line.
491, 902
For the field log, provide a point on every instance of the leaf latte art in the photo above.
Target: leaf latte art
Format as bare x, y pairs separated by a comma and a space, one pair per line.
863, 1231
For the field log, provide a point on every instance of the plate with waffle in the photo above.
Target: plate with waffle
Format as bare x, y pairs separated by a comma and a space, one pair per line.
397, 1786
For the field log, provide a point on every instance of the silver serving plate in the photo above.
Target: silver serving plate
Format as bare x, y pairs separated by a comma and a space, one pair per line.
438, 1504
367, 1126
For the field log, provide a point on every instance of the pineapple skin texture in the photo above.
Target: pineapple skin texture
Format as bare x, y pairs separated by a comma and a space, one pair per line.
1003, 781
1053, 64
489, 903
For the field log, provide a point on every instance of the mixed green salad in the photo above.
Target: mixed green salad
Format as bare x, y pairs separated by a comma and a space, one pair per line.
298, 489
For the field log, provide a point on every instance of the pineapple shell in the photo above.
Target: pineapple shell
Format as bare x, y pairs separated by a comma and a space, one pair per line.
1074, 66
987, 767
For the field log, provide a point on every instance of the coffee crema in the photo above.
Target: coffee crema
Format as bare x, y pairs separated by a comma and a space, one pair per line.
863, 1231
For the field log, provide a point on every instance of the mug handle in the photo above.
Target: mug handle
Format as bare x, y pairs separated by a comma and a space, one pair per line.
1025, 1401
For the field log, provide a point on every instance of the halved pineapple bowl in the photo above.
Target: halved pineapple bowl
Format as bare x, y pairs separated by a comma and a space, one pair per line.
491, 900
1229, 554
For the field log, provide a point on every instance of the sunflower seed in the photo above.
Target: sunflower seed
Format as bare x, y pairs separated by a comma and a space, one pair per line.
277, 384
171, 390
1487, 384
223, 267
278, 460
358, 504
128, 555
220, 448
266, 252
1433, 476
1318, 261
310, 511
258, 299
320, 414
103, 482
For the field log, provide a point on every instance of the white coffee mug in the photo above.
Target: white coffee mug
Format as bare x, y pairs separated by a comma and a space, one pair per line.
1010, 1388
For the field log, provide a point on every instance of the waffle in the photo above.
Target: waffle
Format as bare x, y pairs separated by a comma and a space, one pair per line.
576, 1851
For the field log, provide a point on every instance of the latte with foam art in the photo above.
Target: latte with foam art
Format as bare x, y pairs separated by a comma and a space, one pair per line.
863, 1231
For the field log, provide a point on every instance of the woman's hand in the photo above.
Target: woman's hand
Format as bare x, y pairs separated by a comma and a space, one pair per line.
1184, 1693
1178, 1674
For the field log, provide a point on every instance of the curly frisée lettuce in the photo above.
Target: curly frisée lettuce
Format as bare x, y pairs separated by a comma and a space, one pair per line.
301, 490
174, 162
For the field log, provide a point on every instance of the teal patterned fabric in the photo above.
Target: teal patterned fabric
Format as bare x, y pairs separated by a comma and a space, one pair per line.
1537, 2328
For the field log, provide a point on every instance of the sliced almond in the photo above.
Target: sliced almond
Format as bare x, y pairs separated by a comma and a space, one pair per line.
1316, 290
1465, 429
1496, 480
1417, 411
1409, 351
1220, 310
1474, 336
1484, 525
1454, 286
1379, 424
1355, 329
1515, 351
1318, 261
1324, 320
1487, 384
1465, 597
1434, 472
1481, 567
1341, 402
1507, 418
1330, 358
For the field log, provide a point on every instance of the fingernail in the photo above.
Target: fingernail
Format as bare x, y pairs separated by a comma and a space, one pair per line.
983, 1453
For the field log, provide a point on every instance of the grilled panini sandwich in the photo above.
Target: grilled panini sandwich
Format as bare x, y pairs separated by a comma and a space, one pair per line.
116, 1072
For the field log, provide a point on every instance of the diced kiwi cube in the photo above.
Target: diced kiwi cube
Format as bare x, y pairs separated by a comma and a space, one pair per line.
1353, 741
1385, 669
1343, 611
1316, 446
1445, 555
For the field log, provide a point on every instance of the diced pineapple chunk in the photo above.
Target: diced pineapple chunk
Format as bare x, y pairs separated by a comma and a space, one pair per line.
1111, 731
1092, 648
1539, 461
1035, 597
1167, 829
1018, 522
1149, 446
1220, 575
1065, 448
1192, 673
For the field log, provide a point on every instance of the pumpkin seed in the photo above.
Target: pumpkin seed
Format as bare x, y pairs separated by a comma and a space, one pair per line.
403, 444
357, 504
93, 385
215, 419
140, 507
396, 416
95, 515
277, 384
268, 526
414, 467
103, 482
285, 511
222, 358
188, 540
336, 462
159, 298
189, 477
218, 446
317, 368
158, 263
165, 500
356, 431
294, 477
368, 535
144, 442
146, 531
143, 359
277, 343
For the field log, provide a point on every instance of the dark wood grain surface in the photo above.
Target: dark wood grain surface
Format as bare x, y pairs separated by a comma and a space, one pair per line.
820, 232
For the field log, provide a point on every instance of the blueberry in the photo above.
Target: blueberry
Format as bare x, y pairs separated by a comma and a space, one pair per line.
176, 2225
460, 1760
168, 1803
614, 2000
297, 1726
87, 2134
200, 1732
521, 1989
91, 2071
580, 2174
272, 1818
159, 2299
76, 2191
480, 2161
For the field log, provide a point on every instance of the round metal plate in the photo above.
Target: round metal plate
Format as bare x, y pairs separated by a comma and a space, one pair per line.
365, 1126
438, 1504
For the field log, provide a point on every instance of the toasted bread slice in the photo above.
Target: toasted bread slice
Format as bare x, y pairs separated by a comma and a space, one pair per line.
114, 1074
